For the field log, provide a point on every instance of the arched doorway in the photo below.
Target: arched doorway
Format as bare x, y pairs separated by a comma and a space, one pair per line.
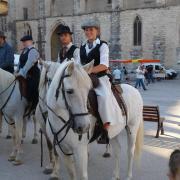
55, 45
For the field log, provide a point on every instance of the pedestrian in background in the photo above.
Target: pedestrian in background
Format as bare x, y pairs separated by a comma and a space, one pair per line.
150, 77
6, 54
117, 75
140, 77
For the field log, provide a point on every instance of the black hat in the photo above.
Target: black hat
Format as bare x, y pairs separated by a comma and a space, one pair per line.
26, 38
64, 29
2, 34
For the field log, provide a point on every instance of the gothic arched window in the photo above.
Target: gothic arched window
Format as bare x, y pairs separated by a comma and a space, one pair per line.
137, 31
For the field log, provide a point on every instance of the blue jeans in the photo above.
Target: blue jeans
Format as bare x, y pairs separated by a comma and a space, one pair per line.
140, 82
150, 77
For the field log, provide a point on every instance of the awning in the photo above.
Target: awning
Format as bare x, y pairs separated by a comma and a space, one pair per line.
136, 61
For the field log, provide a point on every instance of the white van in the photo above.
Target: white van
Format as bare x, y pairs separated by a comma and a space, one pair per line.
160, 71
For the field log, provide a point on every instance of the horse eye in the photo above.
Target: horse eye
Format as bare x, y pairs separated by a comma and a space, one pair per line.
70, 91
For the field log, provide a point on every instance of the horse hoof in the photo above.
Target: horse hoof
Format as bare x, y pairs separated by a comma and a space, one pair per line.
53, 178
12, 158
8, 137
47, 171
106, 155
17, 162
34, 141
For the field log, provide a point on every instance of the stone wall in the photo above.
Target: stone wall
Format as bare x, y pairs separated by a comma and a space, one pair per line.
160, 33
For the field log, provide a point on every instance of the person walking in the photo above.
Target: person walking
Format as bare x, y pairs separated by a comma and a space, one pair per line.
117, 75
140, 77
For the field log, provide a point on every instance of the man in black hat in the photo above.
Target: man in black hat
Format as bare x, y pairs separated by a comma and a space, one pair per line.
68, 50
29, 71
6, 54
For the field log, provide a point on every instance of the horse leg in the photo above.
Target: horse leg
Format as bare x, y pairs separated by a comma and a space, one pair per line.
18, 134
116, 148
55, 173
81, 161
70, 164
35, 141
49, 169
9, 132
131, 148
13, 154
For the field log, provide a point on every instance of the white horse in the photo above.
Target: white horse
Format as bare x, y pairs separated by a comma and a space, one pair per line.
10, 97
67, 98
47, 74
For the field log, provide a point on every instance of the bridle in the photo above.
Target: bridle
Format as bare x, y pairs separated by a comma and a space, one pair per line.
68, 124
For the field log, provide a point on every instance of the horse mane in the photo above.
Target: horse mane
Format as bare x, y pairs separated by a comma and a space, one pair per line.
6, 79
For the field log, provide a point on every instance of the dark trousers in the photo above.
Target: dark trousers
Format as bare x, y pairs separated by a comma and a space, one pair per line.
150, 77
32, 88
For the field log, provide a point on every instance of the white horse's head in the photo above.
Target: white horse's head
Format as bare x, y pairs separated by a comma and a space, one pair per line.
73, 80
49, 69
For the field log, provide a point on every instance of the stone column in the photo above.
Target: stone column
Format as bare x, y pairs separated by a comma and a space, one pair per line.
115, 47
41, 29
159, 48
78, 8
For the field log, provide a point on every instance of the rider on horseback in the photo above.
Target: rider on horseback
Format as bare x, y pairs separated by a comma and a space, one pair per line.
68, 49
98, 50
28, 71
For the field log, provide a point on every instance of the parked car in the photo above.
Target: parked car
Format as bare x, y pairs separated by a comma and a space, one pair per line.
160, 69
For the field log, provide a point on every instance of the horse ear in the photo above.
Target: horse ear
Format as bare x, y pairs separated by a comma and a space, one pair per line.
70, 68
89, 66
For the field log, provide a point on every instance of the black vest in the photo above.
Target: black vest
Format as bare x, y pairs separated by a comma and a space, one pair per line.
69, 53
93, 54
23, 59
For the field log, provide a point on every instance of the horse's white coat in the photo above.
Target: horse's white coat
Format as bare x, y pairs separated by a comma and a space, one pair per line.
12, 113
80, 82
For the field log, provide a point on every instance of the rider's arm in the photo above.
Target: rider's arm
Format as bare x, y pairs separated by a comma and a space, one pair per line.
104, 59
33, 57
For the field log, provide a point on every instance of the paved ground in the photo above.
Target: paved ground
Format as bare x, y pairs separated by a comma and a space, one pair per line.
155, 155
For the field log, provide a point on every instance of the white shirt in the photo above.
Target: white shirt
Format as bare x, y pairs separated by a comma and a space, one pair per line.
33, 57
76, 54
140, 73
104, 51
117, 74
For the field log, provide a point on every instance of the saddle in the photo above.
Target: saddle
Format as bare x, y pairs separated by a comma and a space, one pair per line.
22, 86
100, 134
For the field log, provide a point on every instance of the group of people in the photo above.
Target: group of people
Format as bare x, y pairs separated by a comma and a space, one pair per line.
92, 49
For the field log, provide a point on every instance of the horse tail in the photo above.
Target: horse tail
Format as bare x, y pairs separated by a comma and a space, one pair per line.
139, 141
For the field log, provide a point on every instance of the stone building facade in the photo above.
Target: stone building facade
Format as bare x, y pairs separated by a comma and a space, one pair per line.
148, 29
